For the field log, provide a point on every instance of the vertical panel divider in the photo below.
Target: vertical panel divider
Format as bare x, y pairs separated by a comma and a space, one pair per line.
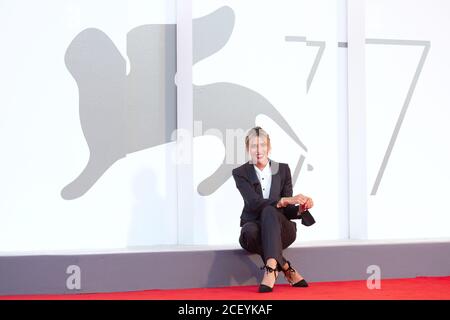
185, 190
357, 154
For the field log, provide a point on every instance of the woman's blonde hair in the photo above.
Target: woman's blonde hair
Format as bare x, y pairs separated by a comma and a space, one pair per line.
256, 132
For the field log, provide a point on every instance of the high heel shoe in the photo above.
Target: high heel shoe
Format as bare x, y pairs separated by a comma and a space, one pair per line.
302, 283
265, 288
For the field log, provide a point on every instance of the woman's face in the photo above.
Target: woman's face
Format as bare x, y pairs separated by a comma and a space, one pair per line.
258, 150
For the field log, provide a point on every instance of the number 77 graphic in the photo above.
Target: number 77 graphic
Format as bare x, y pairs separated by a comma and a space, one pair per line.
426, 47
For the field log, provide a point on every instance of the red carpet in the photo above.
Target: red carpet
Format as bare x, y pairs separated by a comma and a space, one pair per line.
423, 288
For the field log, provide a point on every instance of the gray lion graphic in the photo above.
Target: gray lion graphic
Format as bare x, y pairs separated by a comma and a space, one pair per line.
122, 113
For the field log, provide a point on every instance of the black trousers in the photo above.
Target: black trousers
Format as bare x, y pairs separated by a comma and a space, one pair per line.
269, 236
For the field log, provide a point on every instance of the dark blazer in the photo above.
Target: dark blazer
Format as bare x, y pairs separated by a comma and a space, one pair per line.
250, 188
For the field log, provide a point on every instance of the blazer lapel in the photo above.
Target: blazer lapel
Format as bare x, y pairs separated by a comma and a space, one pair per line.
276, 180
251, 174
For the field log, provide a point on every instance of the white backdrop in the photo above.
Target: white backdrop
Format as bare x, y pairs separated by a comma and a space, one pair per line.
43, 147
257, 56
411, 200
135, 202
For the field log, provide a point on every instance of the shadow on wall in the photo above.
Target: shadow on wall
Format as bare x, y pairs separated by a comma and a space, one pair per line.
243, 261
121, 113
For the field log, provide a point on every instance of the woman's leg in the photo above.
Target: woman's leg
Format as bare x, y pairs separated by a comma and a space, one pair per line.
277, 233
268, 237
250, 238
292, 275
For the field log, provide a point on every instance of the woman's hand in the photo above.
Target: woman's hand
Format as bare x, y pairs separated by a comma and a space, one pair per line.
281, 203
285, 201
304, 201
300, 199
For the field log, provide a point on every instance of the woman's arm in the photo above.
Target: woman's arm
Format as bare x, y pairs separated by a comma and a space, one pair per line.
254, 202
291, 211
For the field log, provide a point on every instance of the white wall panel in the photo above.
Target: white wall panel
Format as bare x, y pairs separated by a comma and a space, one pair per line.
42, 142
410, 201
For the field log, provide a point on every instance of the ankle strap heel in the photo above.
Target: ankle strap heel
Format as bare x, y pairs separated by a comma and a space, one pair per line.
301, 283
264, 288
269, 269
